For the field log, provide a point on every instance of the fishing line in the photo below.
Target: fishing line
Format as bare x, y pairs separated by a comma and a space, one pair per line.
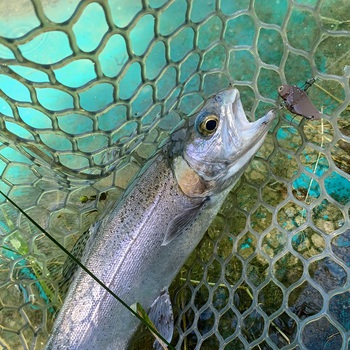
152, 329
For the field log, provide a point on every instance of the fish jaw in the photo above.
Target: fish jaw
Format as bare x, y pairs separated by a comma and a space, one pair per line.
222, 156
254, 137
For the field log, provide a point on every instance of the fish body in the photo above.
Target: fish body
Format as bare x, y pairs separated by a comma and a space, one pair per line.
138, 248
298, 102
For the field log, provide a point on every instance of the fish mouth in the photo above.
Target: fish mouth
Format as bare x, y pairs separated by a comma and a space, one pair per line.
259, 128
241, 118
237, 108
242, 135
251, 135
250, 132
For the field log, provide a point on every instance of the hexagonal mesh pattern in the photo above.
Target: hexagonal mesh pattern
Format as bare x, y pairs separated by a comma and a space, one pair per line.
84, 83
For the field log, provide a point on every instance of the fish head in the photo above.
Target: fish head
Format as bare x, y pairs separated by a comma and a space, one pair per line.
222, 141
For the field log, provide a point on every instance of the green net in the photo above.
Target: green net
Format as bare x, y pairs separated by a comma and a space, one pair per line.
89, 90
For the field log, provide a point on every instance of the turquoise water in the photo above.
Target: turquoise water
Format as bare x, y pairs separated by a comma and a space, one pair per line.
88, 94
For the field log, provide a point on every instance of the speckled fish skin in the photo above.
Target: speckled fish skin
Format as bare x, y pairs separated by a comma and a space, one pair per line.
128, 252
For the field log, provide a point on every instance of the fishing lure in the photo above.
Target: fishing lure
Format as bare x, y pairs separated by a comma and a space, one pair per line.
298, 102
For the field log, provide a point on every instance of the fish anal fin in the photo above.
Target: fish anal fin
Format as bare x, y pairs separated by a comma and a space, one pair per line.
179, 223
161, 314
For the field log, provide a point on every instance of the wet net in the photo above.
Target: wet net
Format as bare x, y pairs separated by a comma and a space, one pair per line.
90, 89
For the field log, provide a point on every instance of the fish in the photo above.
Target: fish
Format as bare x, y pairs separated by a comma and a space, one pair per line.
298, 102
140, 245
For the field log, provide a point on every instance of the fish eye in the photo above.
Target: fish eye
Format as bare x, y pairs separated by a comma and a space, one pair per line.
280, 89
208, 125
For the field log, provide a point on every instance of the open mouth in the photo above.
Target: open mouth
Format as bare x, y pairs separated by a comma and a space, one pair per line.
237, 110
258, 128
241, 119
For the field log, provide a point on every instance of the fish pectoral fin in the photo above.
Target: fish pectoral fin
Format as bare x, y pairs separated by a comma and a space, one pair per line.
161, 315
178, 224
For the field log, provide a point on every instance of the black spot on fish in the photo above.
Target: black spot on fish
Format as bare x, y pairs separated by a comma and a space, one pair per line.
298, 102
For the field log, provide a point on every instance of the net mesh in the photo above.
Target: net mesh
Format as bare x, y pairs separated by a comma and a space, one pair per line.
90, 89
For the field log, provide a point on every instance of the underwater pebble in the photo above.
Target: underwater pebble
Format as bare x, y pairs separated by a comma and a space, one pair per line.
312, 252
299, 220
328, 227
256, 175
317, 241
307, 244
290, 212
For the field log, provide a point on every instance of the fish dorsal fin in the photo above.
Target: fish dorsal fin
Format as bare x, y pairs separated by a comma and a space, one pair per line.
181, 221
161, 315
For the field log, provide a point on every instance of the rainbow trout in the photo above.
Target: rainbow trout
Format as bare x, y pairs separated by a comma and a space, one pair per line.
138, 248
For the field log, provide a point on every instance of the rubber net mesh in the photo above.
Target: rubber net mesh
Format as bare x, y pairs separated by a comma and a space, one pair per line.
90, 89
